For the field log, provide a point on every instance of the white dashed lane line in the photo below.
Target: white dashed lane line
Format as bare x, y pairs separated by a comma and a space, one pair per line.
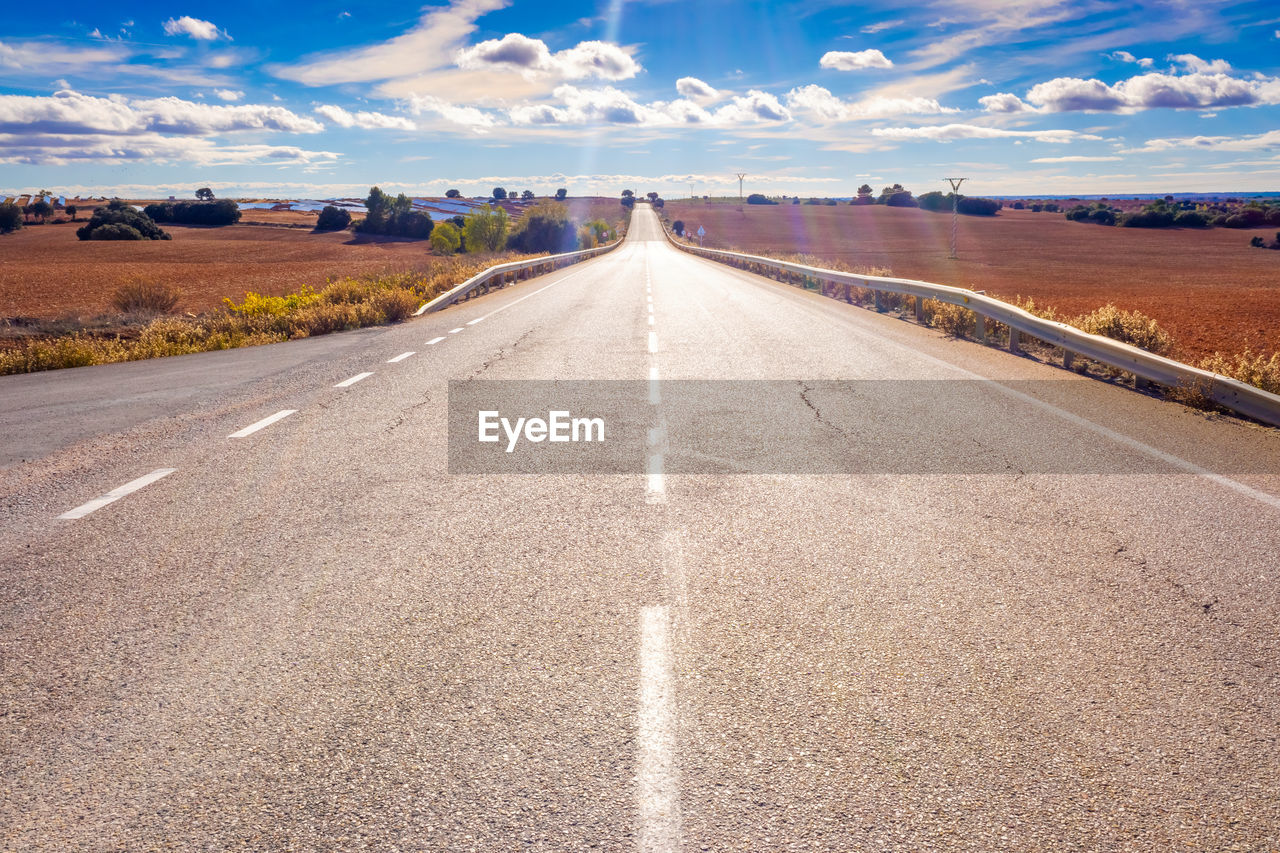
401, 357
653, 342
116, 494
265, 422
658, 789
347, 383
473, 322
434, 341
455, 331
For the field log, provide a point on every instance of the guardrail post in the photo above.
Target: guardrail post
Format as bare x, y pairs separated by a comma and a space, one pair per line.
980, 327
879, 299
848, 293
1141, 384
920, 309
1068, 358
1013, 340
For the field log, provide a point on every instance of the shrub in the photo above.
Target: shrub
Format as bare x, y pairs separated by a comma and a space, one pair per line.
116, 231
1257, 243
10, 218
678, 227
486, 229
1149, 217
1017, 205
587, 238
1051, 207
333, 219
221, 212
934, 201
545, 227
121, 222
1190, 219
953, 320
499, 193
977, 206
445, 239
1257, 370
1130, 327
758, 198
1037, 208
1247, 217
145, 297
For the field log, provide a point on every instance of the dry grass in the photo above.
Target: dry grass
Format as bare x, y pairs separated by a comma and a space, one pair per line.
1254, 369
145, 297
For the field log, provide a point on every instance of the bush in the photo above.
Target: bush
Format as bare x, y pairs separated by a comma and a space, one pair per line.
486, 229
499, 193
1257, 243
757, 198
121, 222
545, 227
1190, 219
1149, 217
1247, 217
333, 219
221, 212
977, 206
10, 218
394, 217
934, 201
678, 227
145, 297
953, 320
1257, 370
1017, 205
116, 231
1130, 327
445, 239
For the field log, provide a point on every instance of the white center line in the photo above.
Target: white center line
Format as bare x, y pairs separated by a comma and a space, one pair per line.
265, 422
655, 486
434, 341
653, 342
347, 383
455, 331
401, 357
116, 494
473, 322
657, 794
650, 319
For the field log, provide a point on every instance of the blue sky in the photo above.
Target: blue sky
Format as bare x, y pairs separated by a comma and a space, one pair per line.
319, 99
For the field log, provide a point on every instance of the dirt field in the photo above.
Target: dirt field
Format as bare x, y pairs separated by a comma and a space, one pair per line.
46, 273
1207, 287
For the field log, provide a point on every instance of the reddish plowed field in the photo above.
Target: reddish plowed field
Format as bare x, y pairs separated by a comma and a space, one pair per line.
1209, 288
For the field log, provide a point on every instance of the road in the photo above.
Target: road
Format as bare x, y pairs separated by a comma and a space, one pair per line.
314, 636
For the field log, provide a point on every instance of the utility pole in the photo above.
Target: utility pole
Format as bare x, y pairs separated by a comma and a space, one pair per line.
955, 210
740, 177
690, 192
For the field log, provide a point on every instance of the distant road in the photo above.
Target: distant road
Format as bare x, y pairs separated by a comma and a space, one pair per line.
311, 636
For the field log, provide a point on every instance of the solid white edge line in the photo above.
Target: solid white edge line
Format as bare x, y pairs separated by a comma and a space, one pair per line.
347, 383
116, 494
401, 357
265, 422
434, 341
535, 293
657, 776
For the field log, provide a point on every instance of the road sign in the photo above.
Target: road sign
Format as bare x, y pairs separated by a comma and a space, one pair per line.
701, 231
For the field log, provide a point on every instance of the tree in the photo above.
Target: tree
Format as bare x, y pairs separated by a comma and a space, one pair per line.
118, 213
40, 210
865, 190
759, 198
628, 201
527, 195
545, 227
333, 219
221, 212
453, 194
71, 211
204, 194
651, 196
659, 203
486, 229
561, 194
678, 227
10, 218
445, 239
499, 193
628, 194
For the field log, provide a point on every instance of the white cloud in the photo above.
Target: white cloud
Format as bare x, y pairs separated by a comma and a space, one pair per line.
64, 149
843, 60
821, 104
872, 29
697, 91
1126, 56
610, 106
229, 94
68, 112
1003, 102
1075, 158
38, 57
755, 106
362, 119
1153, 91
195, 28
1256, 142
1191, 62
468, 117
530, 56
951, 132
426, 47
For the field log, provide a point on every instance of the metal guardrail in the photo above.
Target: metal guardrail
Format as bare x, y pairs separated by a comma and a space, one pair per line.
1146, 367
495, 277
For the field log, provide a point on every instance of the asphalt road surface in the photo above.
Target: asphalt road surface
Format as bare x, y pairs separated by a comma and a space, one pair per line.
312, 636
